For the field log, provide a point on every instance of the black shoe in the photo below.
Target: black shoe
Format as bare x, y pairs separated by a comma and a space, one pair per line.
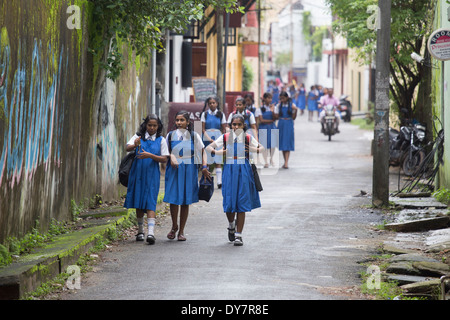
151, 239
140, 237
238, 241
231, 232
219, 186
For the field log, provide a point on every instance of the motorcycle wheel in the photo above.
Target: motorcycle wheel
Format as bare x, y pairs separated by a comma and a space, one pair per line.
412, 166
328, 130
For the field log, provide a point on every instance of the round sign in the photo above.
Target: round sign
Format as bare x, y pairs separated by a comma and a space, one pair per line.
439, 44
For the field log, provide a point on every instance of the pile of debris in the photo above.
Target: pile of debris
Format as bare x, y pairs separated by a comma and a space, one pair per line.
420, 248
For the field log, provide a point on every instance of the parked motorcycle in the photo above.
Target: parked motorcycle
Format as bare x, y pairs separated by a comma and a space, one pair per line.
329, 121
406, 147
345, 108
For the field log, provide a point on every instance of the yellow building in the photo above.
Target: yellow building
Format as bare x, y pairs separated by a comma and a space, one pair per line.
233, 76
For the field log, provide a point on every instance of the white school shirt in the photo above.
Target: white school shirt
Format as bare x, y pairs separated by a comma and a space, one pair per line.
251, 119
240, 139
258, 111
177, 134
203, 119
164, 149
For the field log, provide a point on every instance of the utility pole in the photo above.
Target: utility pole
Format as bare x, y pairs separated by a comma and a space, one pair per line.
380, 194
220, 58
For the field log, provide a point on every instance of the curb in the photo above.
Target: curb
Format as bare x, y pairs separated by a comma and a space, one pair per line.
30, 271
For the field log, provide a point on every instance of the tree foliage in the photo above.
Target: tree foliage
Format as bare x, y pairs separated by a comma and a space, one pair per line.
411, 25
141, 25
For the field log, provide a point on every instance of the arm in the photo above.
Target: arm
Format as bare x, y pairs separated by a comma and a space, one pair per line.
205, 170
294, 111
145, 155
131, 147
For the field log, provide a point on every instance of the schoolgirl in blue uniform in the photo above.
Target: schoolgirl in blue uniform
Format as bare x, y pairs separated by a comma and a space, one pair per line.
312, 103
144, 177
301, 99
181, 180
249, 103
267, 114
249, 117
214, 125
287, 114
238, 190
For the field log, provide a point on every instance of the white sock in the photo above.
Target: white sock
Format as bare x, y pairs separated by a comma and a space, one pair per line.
151, 225
140, 225
219, 175
231, 225
238, 234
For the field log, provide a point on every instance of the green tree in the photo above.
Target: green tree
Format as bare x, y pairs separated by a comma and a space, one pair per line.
410, 28
139, 23
247, 75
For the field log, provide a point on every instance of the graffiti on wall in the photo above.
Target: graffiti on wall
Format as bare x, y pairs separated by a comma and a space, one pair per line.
31, 122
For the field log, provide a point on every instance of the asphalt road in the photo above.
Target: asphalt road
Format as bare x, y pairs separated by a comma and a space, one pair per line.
302, 244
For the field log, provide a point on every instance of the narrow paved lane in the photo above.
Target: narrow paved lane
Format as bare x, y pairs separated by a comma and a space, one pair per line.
306, 238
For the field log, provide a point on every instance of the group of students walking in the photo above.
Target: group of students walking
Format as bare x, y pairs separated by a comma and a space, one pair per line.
226, 145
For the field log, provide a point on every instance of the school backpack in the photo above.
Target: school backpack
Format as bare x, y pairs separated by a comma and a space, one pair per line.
258, 183
125, 167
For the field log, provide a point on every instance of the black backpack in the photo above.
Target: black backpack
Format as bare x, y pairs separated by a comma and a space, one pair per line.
125, 167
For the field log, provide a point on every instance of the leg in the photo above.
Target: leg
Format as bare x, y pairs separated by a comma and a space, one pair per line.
266, 164
239, 228
272, 152
286, 159
231, 225
219, 175
140, 220
174, 215
151, 217
240, 221
184, 213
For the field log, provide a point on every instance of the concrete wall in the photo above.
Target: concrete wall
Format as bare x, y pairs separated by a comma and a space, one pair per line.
62, 125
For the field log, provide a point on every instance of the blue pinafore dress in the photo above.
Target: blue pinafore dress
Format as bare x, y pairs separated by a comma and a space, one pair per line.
181, 184
286, 129
301, 99
144, 179
265, 131
213, 126
312, 104
238, 188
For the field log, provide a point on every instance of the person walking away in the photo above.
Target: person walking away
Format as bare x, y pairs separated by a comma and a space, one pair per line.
144, 177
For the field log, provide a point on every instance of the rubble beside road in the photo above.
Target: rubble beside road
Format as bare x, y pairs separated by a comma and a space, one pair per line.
420, 248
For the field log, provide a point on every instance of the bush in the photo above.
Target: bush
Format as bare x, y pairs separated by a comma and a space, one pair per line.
442, 195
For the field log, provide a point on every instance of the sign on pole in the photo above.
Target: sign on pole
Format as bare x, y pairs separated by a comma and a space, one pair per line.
439, 44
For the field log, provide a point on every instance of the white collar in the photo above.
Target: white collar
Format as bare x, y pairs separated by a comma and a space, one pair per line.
150, 137
239, 137
212, 112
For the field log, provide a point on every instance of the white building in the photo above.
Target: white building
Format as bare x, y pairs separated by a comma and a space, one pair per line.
287, 36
